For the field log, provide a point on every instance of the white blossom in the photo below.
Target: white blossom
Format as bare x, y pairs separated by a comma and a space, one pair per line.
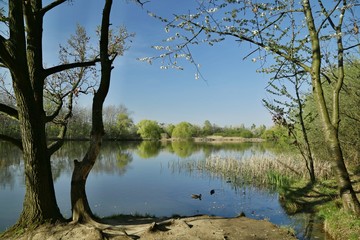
158, 47
211, 10
170, 39
197, 76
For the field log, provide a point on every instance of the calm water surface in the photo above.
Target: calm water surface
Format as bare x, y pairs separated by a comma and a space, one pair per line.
152, 178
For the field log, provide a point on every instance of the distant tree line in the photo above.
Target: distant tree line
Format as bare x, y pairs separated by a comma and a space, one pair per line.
119, 125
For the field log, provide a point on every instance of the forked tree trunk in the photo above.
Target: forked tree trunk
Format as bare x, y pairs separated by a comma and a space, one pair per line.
331, 125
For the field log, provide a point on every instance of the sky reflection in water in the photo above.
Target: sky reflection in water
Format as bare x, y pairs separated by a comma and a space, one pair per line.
151, 178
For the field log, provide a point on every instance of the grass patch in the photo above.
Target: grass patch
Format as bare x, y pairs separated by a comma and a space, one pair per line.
277, 179
303, 196
322, 199
338, 223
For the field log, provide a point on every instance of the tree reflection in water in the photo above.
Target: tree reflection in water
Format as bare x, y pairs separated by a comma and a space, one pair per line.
119, 164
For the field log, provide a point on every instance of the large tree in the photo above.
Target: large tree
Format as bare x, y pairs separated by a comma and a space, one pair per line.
313, 35
149, 129
110, 47
21, 54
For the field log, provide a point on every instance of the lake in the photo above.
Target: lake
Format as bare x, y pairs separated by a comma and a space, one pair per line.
153, 178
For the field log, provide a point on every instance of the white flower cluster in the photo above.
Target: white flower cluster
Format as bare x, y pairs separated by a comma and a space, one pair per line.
211, 10
197, 76
146, 59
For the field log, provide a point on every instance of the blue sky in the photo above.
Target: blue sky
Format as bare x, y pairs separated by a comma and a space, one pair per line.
231, 94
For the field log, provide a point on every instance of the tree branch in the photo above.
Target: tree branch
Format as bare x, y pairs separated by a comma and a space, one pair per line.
55, 113
11, 112
327, 15
51, 6
16, 142
141, 3
260, 44
68, 66
353, 46
53, 147
6, 60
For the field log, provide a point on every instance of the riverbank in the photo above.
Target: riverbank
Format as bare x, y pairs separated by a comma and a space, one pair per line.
322, 199
220, 139
288, 175
130, 227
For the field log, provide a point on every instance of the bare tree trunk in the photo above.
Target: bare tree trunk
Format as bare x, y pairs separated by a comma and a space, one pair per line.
309, 160
81, 211
80, 206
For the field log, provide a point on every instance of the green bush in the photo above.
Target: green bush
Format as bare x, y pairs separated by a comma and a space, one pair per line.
183, 130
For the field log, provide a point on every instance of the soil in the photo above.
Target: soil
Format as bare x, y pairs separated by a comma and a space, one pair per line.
196, 227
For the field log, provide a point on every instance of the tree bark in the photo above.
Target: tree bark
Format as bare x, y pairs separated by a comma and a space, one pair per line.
81, 211
330, 128
25, 65
39, 202
308, 156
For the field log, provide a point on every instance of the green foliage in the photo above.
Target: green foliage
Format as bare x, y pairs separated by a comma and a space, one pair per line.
149, 129
340, 224
278, 179
125, 125
183, 130
207, 128
278, 134
183, 148
123, 159
168, 129
258, 131
79, 125
349, 128
9, 126
148, 149
235, 132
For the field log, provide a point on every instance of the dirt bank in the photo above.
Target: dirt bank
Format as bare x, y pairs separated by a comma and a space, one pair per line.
197, 227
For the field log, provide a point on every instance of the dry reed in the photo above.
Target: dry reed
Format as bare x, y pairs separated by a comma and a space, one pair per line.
265, 169
259, 170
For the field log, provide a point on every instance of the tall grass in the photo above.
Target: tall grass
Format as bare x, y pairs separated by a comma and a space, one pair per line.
276, 171
268, 169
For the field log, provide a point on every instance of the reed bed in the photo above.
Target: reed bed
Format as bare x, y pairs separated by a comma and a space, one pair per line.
275, 171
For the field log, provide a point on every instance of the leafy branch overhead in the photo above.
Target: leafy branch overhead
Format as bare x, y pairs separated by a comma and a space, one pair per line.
274, 28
